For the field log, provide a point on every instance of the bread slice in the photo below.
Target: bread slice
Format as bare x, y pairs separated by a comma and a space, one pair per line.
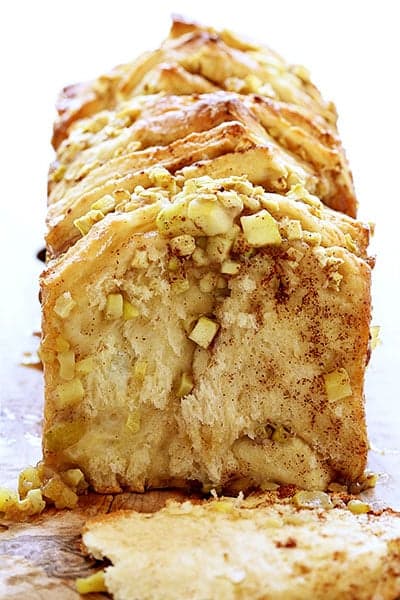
203, 331
225, 549
199, 60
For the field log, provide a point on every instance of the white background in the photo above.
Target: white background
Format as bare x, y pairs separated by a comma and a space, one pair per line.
351, 48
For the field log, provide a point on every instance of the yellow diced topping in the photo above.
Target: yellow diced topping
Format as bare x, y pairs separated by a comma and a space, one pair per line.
185, 385
375, 340
219, 246
210, 216
8, 500
63, 435
85, 366
129, 311
174, 264
200, 258
139, 260
208, 282
67, 364
162, 178
350, 243
114, 306
62, 345
69, 393
314, 499
59, 493
85, 223
337, 385
105, 204
230, 267
294, 230
92, 584
28, 480
64, 304
33, 504
312, 238
172, 220
204, 332
133, 421
280, 434
58, 173
183, 245
221, 506
357, 507
180, 286
74, 479
140, 369
261, 229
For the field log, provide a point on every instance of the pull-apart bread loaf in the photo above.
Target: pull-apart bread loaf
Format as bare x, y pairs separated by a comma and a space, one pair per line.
205, 309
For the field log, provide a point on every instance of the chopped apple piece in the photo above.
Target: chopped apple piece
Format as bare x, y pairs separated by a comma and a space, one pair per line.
230, 267
204, 332
139, 261
183, 245
219, 246
67, 364
69, 393
59, 493
261, 229
8, 500
179, 286
73, 478
210, 216
280, 434
185, 385
105, 204
294, 230
64, 304
357, 507
85, 223
33, 504
222, 506
129, 311
85, 366
208, 282
374, 333
63, 435
140, 369
91, 584
114, 306
28, 480
133, 421
313, 499
337, 385
62, 345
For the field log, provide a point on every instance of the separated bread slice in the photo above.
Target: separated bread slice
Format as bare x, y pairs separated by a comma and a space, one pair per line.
203, 331
257, 549
199, 60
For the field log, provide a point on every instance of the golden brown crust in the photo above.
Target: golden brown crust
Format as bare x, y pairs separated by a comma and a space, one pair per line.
292, 147
200, 60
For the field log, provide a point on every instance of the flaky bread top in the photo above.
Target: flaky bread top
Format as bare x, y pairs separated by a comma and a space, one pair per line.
229, 549
294, 120
221, 133
194, 59
184, 204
